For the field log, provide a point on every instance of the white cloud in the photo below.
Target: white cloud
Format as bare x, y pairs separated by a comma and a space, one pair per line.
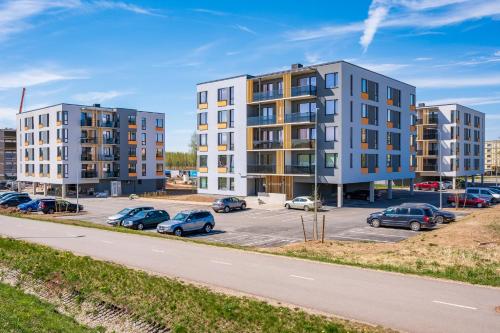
209, 11
482, 100
245, 29
497, 53
377, 13
98, 96
327, 31
32, 77
455, 82
313, 58
8, 116
423, 59
105, 4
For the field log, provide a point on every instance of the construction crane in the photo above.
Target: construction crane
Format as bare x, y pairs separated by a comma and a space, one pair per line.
22, 100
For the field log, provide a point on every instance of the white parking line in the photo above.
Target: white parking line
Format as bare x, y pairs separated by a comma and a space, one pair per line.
456, 305
221, 262
302, 277
157, 251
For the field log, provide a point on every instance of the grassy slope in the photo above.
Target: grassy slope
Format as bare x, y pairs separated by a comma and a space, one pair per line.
22, 313
183, 307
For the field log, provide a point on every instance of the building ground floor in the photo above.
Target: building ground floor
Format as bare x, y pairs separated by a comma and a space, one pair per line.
111, 187
457, 181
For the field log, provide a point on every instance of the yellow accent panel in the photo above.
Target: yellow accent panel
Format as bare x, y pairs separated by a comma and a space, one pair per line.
203, 148
26, 143
389, 147
390, 124
287, 85
222, 147
280, 111
364, 145
364, 170
287, 136
40, 125
364, 95
280, 162
222, 125
203, 169
249, 138
222, 170
59, 158
249, 91
390, 102
58, 123
222, 103
202, 127
203, 106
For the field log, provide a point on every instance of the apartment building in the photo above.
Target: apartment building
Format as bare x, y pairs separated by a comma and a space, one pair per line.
492, 157
261, 133
8, 169
450, 141
117, 150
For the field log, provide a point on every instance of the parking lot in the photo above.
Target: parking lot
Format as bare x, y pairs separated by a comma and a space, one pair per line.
263, 227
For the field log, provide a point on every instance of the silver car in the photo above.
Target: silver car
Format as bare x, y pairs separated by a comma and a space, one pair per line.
188, 221
305, 203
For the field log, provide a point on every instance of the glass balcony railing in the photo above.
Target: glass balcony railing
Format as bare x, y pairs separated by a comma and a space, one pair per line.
300, 117
261, 120
110, 141
108, 123
303, 90
86, 157
89, 174
265, 144
111, 174
88, 140
303, 143
261, 168
430, 136
86, 122
299, 169
430, 167
266, 95
105, 157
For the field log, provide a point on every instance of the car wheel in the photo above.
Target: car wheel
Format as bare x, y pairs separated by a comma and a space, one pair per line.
226, 209
243, 206
453, 204
287, 206
375, 223
50, 211
306, 208
479, 205
140, 226
207, 228
178, 232
29, 210
415, 226
439, 219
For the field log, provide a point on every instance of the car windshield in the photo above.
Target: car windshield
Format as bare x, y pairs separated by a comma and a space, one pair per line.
180, 216
124, 211
141, 214
494, 190
432, 207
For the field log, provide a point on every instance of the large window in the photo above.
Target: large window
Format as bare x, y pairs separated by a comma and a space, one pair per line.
159, 137
143, 166
394, 96
222, 94
330, 133
159, 122
331, 160
231, 118
203, 182
143, 138
202, 118
222, 184
231, 95
132, 120
132, 136
143, 124
202, 97
203, 161
370, 112
222, 116
370, 88
222, 139
202, 139
331, 106
331, 80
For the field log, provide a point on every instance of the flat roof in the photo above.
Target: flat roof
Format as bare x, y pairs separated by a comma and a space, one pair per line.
447, 104
89, 106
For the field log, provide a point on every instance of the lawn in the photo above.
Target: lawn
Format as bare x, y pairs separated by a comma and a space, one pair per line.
23, 313
182, 307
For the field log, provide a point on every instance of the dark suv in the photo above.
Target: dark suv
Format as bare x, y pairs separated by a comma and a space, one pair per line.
414, 218
50, 206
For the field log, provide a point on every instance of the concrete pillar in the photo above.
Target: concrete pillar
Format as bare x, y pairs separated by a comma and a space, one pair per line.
454, 183
473, 180
63, 191
45, 189
411, 187
34, 187
482, 180
340, 195
389, 189
372, 192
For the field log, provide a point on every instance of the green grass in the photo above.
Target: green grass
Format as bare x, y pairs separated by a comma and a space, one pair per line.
23, 313
180, 306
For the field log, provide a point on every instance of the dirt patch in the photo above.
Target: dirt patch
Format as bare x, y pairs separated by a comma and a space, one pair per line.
186, 197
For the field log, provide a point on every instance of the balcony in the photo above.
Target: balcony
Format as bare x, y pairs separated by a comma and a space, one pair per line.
430, 136
430, 167
89, 174
110, 141
89, 140
104, 157
300, 117
265, 144
108, 123
86, 122
299, 169
262, 120
303, 143
307, 90
111, 174
261, 168
87, 157
267, 95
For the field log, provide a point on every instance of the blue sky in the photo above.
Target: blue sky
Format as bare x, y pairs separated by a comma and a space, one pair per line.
150, 54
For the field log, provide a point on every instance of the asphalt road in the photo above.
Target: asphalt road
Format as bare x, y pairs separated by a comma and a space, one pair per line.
401, 302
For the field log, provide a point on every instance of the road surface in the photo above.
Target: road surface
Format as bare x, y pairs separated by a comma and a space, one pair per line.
401, 302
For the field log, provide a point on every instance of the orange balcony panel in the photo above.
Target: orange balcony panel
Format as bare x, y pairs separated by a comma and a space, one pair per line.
222, 170
58, 123
159, 129
132, 174
59, 158
40, 142
203, 169
203, 106
364, 170
26, 128
132, 126
26, 143
59, 141
390, 102
222, 147
203, 127
132, 142
376, 170
364, 145
59, 176
159, 173
390, 124
203, 148
389, 147
159, 158
222, 125
413, 107
26, 158
40, 125
222, 103
159, 143
364, 95
389, 169
413, 128
364, 121
132, 158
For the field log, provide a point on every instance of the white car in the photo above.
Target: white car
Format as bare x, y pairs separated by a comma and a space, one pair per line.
305, 203
446, 185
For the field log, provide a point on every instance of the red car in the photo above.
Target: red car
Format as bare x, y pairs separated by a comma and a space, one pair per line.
428, 186
467, 200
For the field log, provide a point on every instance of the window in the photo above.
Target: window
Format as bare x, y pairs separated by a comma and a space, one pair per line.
395, 118
202, 139
222, 94
62, 117
231, 118
222, 116
350, 137
143, 138
331, 160
413, 100
331, 80
231, 184
222, 161
62, 135
306, 107
159, 122
393, 96
351, 106
202, 97
132, 120
159, 168
202, 118
222, 139
203, 182
43, 120
62, 152
159, 152
132, 152
350, 160
331, 106
222, 184
330, 133
143, 124
159, 137
132, 136
351, 86
231, 163
231, 95
203, 161
370, 88
143, 154
132, 168
231, 140
143, 171
370, 112
370, 137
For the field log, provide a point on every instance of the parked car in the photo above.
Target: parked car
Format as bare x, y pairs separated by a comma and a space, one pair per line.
428, 186
415, 218
485, 193
14, 200
467, 199
305, 203
118, 218
146, 218
30, 206
362, 194
188, 221
50, 206
4, 194
101, 194
228, 204
447, 185
440, 216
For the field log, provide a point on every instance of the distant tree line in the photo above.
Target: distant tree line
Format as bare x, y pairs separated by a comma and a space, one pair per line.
180, 160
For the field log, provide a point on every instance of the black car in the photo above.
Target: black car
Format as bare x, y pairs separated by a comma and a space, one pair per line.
362, 194
414, 218
14, 200
50, 206
440, 216
145, 219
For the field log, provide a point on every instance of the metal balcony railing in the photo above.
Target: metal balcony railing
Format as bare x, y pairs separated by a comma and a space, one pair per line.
110, 141
88, 140
261, 168
86, 157
304, 90
303, 143
266, 95
267, 144
111, 174
86, 122
108, 123
299, 169
430, 167
300, 117
104, 157
89, 174
261, 120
